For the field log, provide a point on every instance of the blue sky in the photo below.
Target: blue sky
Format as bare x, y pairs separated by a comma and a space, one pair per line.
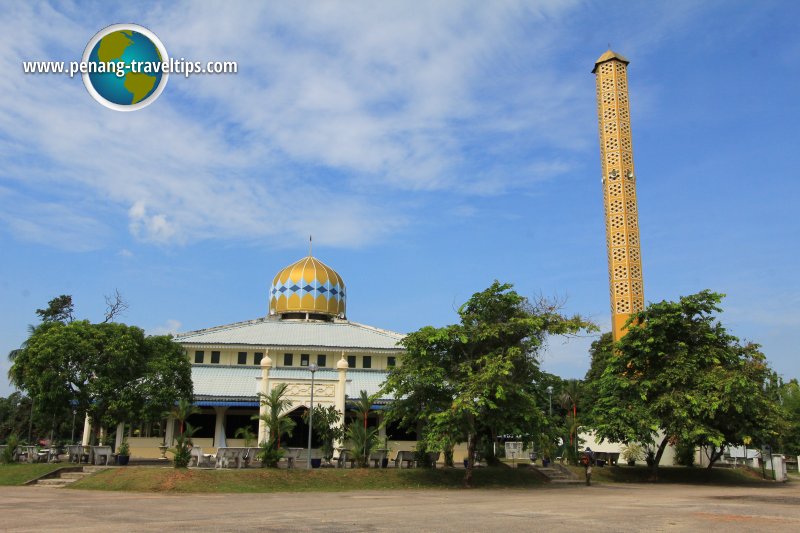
429, 147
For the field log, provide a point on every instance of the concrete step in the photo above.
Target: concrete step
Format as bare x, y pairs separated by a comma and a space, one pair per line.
555, 474
54, 482
65, 478
74, 475
92, 469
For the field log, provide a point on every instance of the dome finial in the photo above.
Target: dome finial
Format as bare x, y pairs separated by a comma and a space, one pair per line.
309, 246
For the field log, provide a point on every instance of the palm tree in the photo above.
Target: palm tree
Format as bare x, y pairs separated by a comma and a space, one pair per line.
245, 433
569, 398
182, 411
277, 424
362, 438
182, 451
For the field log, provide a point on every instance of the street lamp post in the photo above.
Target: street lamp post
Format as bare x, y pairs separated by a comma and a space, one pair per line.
312, 368
550, 394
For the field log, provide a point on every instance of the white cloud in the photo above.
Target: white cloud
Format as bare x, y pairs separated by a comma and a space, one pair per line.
155, 228
170, 327
340, 111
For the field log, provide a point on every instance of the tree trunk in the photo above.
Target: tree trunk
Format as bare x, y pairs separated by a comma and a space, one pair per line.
471, 442
715, 456
657, 460
448, 455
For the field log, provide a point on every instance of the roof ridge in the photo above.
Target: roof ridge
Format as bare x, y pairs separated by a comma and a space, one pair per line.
386, 332
232, 325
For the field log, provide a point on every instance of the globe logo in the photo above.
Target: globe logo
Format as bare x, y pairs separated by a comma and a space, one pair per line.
125, 67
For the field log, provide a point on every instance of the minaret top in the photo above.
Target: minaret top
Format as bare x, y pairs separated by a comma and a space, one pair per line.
608, 56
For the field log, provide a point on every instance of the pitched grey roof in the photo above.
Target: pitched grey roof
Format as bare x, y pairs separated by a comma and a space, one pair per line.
272, 331
225, 382
239, 383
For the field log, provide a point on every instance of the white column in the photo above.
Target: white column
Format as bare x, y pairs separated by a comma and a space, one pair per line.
87, 430
381, 428
263, 390
120, 435
341, 391
219, 427
169, 431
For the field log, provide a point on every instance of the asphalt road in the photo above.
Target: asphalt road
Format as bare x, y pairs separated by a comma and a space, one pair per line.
574, 508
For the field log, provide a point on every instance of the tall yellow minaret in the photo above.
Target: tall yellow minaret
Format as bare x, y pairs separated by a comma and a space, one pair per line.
619, 190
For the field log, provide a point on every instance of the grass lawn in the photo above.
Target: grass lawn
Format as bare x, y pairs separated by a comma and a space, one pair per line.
17, 474
674, 474
149, 479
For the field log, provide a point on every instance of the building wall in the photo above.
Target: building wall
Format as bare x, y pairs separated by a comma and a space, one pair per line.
230, 356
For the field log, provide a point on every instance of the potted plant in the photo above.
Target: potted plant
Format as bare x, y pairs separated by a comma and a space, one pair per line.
123, 453
632, 452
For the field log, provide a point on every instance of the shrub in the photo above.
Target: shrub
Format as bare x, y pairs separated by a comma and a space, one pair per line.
8, 455
684, 453
124, 448
270, 454
182, 451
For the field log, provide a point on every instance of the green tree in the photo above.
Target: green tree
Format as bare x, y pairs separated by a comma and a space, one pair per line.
679, 376
328, 428
478, 376
789, 440
59, 309
277, 424
600, 353
109, 370
167, 377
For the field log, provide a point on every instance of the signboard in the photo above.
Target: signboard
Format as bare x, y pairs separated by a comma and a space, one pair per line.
513, 450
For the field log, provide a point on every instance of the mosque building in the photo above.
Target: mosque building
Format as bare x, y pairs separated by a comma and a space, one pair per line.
305, 329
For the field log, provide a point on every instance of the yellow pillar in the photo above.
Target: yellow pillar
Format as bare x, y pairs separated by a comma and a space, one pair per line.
619, 190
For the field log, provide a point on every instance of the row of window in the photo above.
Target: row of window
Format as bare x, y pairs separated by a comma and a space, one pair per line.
200, 356
288, 359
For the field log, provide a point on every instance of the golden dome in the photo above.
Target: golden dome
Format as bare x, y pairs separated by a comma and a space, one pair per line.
307, 286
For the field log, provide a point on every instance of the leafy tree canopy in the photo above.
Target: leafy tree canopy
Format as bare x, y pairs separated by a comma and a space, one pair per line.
679, 372
110, 370
789, 440
59, 309
479, 375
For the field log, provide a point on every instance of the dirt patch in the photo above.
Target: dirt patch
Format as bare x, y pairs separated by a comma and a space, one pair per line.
174, 478
743, 518
787, 500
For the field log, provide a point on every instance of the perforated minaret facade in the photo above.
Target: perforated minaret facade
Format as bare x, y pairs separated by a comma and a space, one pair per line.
619, 190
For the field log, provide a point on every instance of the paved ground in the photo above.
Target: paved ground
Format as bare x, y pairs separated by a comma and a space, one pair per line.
576, 508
